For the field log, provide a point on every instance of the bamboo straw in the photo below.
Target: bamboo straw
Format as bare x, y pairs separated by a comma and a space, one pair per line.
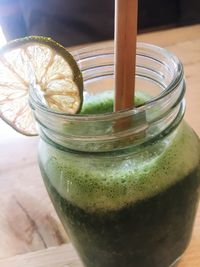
125, 52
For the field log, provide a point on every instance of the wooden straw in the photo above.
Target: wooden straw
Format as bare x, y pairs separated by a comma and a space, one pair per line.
126, 13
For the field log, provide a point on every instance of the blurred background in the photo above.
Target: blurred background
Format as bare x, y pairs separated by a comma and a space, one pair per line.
74, 22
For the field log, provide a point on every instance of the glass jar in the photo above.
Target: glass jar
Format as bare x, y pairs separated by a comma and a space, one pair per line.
125, 185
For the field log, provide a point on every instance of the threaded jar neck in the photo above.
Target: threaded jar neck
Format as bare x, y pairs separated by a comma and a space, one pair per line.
159, 75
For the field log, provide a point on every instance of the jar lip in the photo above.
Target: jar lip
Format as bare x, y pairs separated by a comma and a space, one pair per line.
86, 52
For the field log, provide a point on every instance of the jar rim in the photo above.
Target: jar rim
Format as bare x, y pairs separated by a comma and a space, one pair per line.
92, 51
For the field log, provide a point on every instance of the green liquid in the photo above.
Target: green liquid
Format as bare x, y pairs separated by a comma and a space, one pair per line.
103, 103
153, 232
133, 210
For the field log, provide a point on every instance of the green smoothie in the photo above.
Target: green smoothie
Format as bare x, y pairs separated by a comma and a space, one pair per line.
131, 208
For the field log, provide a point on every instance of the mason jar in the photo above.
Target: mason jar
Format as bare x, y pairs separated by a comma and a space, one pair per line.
125, 184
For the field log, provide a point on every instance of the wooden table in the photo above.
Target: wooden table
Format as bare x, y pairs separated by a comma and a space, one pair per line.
29, 226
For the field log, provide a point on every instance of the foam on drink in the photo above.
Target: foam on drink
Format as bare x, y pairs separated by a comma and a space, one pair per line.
118, 182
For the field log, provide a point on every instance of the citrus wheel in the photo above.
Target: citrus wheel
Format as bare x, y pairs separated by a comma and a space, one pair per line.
44, 65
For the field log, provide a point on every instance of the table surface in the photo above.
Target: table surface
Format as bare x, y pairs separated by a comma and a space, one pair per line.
31, 234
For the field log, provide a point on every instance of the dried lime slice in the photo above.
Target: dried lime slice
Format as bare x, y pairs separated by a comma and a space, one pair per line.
47, 65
